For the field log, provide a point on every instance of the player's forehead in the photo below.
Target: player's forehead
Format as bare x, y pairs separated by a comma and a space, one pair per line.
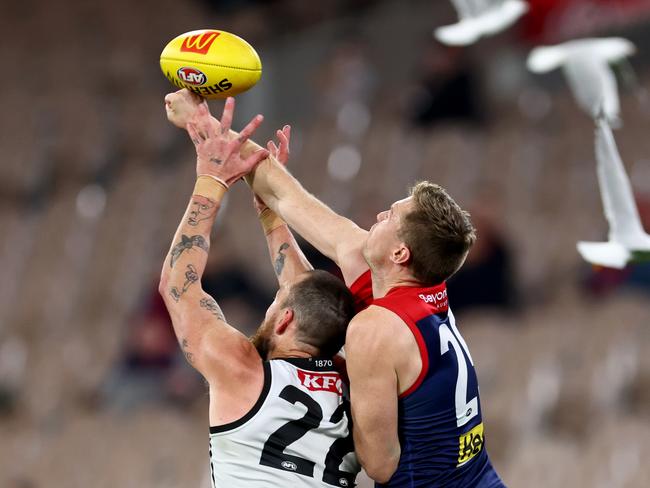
403, 205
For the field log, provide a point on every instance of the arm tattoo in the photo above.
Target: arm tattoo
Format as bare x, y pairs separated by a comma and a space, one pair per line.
201, 208
279, 261
185, 244
211, 305
191, 277
215, 160
176, 295
188, 355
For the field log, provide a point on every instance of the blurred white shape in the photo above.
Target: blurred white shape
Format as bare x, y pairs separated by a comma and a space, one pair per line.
91, 202
628, 240
344, 163
479, 18
585, 63
353, 119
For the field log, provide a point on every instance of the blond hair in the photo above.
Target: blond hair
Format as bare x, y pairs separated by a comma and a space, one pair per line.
438, 233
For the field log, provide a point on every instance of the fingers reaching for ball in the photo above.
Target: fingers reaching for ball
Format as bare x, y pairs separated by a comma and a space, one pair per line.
218, 150
250, 128
226, 116
284, 136
281, 151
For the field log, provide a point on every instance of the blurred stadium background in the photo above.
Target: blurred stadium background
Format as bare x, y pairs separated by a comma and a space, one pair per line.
93, 391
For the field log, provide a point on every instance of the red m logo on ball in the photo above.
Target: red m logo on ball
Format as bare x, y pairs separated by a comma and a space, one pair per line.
199, 43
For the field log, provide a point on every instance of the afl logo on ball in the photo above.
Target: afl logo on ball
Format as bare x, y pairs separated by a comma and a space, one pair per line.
191, 76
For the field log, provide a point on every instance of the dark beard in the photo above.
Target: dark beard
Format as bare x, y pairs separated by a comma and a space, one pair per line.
262, 342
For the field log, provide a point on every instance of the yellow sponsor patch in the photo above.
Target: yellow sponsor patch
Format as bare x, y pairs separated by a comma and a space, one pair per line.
470, 444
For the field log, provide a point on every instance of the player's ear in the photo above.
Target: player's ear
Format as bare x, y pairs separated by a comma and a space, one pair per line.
401, 254
285, 318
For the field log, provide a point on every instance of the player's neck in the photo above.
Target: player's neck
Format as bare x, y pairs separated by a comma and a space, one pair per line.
383, 282
290, 352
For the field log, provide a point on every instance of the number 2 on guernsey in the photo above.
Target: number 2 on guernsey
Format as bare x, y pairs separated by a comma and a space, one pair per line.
465, 410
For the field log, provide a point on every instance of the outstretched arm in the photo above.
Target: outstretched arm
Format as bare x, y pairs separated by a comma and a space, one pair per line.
370, 352
209, 343
286, 256
335, 236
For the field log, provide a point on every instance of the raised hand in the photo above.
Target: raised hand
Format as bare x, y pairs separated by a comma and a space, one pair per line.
217, 150
280, 153
181, 106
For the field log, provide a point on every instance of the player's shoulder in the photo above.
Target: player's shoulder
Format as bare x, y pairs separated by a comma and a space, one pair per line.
368, 316
374, 325
233, 362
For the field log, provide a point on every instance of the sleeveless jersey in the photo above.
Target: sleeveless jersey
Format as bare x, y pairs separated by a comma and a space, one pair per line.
439, 417
298, 434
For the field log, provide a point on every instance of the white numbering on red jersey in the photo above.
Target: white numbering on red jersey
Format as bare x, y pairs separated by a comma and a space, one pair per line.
465, 410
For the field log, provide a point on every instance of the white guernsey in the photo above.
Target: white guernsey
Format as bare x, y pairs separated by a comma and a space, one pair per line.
299, 426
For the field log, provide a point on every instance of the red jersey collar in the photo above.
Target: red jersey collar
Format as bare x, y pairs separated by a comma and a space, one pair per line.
435, 296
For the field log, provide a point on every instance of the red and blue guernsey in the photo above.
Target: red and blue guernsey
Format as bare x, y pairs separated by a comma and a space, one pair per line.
440, 423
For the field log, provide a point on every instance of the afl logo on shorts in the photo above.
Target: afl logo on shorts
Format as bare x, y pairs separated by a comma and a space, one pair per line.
289, 465
191, 76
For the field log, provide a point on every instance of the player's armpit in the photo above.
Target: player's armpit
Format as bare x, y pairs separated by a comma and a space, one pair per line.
373, 391
221, 353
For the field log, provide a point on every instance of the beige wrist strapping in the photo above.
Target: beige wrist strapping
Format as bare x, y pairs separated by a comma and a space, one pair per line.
210, 187
270, 221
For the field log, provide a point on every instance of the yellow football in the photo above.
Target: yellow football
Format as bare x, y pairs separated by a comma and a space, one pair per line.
211, 63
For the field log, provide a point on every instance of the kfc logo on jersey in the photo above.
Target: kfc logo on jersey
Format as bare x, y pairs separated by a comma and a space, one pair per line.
321, 381
192, 76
